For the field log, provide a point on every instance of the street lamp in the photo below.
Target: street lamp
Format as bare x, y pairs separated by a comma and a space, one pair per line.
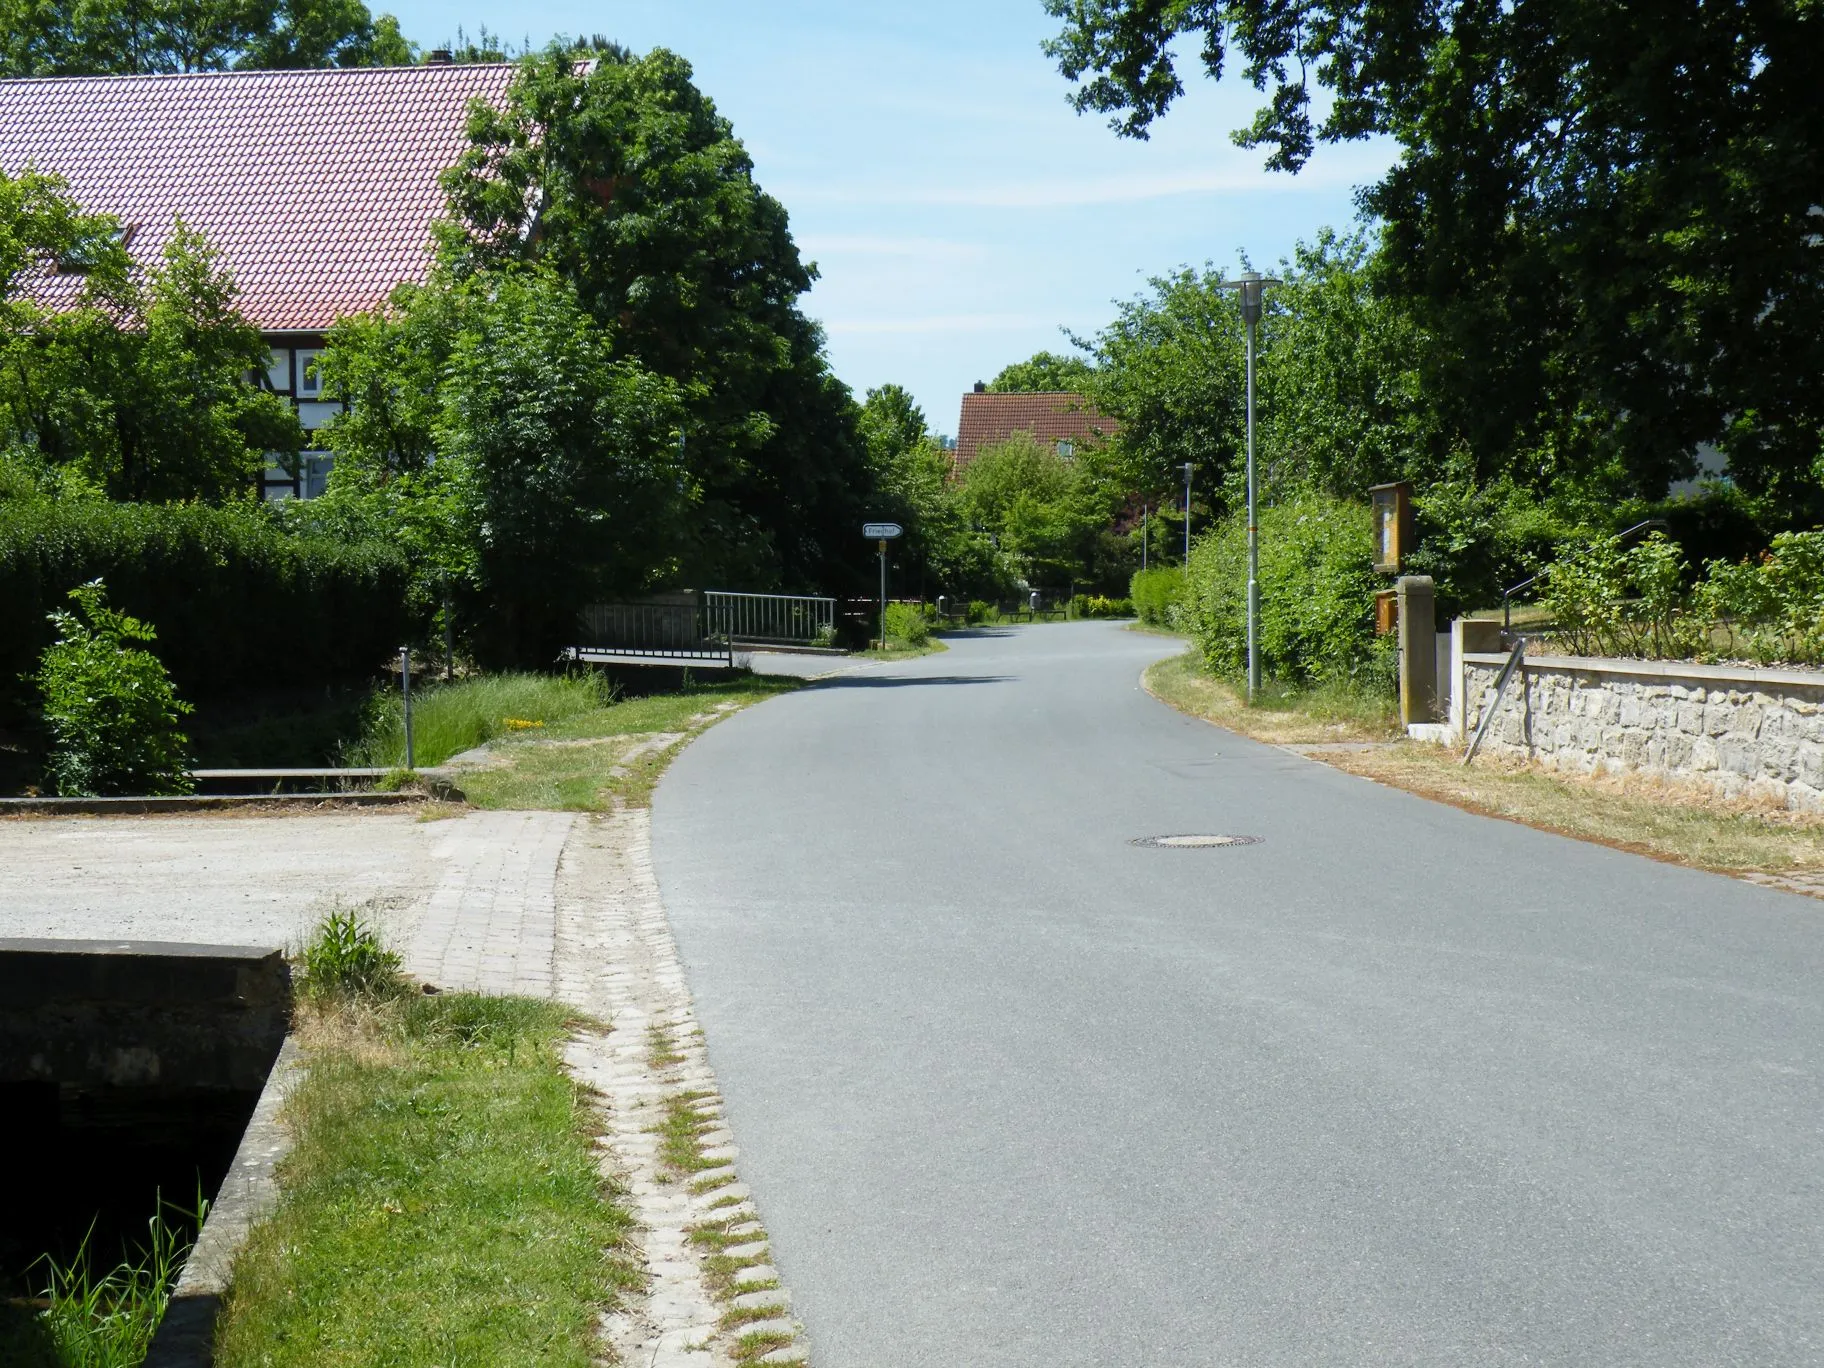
1251, 285
1187, 519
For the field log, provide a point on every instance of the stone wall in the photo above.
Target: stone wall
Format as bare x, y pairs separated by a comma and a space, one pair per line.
1739, 731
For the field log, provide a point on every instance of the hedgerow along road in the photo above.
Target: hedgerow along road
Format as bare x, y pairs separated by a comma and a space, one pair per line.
1394, 1084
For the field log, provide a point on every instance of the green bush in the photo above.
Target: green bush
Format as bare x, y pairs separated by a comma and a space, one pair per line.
237, 600
1100, 606
448, 719
108, 706
1156, 593
1317, 589
1608, 600
906, 624
1475, 541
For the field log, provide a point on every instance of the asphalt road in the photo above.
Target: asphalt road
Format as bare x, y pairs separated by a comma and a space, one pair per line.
1397, 1085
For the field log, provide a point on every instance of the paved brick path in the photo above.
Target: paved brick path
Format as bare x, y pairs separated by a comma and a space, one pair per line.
491, 923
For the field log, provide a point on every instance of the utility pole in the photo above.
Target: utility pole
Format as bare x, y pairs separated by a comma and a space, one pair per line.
1252, 286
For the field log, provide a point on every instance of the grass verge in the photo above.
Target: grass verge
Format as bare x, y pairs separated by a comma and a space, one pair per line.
1665, 821
442, 1204
1632, 812
1280, 715
609, 755
448, 719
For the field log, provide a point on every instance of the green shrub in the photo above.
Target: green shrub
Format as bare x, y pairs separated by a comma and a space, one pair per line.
345, 959
238, 601
1317, 589
1608, 600
1605, 599
448, 719
108, 706
1156, 593
1100, 606
906, 624
1476, 540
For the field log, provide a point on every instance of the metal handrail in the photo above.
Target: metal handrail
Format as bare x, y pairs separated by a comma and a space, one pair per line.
1531, 580
1494, 704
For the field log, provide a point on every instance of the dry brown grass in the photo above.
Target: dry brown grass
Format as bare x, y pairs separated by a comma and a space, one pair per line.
1665, 820
1679, 823
1281, 717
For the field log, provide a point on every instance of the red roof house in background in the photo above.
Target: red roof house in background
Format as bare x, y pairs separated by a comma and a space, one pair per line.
1060, 418
316, 188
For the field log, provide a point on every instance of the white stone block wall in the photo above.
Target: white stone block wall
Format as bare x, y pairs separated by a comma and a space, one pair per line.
1739, 731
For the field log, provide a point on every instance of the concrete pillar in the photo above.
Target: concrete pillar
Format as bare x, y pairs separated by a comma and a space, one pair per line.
1418, 629
1468, 636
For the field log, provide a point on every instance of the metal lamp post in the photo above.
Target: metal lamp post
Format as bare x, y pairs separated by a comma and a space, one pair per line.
1251, 285
1187, 519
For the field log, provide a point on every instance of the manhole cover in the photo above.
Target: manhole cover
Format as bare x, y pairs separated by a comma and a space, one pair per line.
1193, 842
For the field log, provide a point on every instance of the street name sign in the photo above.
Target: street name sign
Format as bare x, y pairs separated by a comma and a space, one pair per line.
881, 531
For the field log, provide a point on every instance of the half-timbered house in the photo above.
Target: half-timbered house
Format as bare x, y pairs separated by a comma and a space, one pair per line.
317, 189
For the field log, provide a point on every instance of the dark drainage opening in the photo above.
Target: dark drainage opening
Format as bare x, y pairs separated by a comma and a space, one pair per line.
128, 1072
1192, 842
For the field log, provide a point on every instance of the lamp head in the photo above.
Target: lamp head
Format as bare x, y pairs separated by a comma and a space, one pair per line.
1251, 286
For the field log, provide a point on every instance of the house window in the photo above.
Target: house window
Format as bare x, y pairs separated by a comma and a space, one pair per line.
278, 370
1066, 450
310, 379
313, 472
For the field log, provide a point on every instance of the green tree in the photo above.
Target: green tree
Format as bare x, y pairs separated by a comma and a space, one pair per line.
1044, 372
1606, 216
1040, 509
108, 705
141, 383
941, 552
645, 202
1170, 367
328, 33
132, 37
511, 451
1340, 401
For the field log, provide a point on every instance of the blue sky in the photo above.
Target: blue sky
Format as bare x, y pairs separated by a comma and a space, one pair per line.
959, 210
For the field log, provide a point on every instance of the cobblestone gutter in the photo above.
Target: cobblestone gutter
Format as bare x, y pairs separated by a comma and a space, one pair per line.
1742, 732
712, 1298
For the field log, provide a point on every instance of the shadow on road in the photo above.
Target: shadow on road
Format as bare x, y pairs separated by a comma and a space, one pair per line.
905, 681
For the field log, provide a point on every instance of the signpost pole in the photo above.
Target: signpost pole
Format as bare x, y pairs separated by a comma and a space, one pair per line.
882, 533
405, 688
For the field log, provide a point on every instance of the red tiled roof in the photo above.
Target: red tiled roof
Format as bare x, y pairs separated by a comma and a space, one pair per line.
1057, 416
317, 188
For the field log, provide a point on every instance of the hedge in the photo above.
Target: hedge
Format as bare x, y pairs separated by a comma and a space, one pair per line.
1317, 588
236, 601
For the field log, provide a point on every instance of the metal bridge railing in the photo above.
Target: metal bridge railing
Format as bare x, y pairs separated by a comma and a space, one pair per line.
644, 627
778, 619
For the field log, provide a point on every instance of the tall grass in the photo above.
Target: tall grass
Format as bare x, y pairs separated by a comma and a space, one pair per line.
448, 719
108, 1321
